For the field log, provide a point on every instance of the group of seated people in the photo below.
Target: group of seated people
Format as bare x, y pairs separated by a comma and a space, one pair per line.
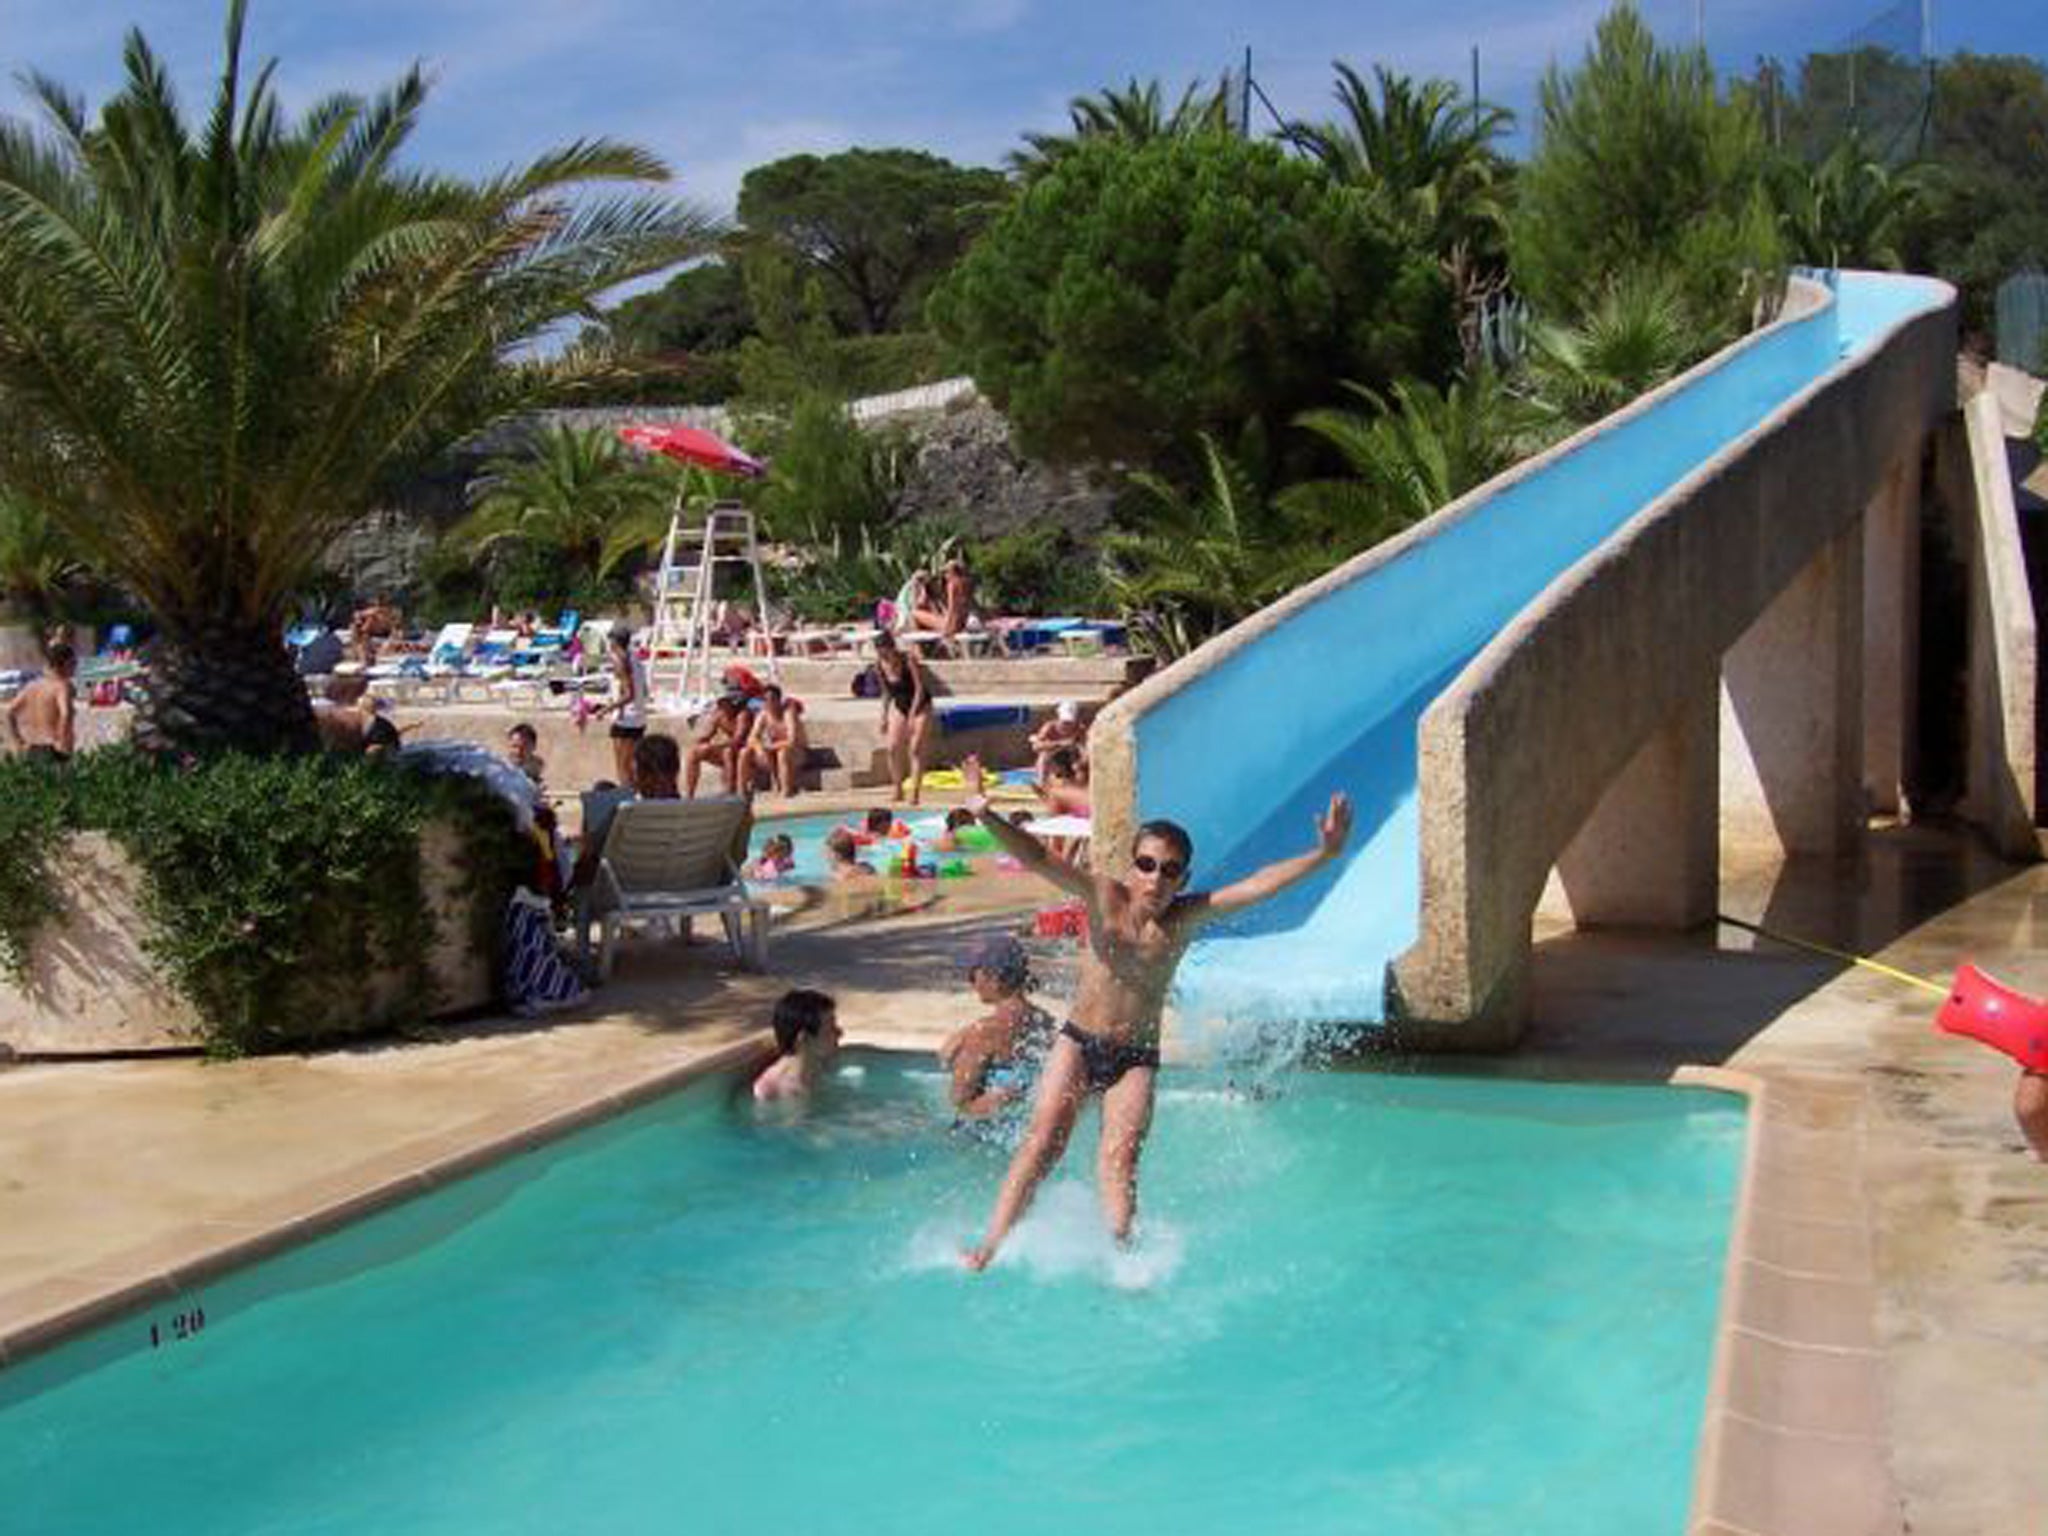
753, 735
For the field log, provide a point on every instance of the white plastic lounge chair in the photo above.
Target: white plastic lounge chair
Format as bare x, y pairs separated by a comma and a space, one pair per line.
674, 859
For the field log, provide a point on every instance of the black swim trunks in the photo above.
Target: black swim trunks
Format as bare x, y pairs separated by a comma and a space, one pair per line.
43, 752
1103, 1062
628, 732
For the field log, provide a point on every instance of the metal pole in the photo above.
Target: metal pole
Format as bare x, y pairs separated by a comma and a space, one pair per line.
1475, 82
1245, 94
1699, 24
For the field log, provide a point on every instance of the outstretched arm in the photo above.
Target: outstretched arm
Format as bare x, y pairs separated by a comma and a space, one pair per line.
1019, 844
1332, 828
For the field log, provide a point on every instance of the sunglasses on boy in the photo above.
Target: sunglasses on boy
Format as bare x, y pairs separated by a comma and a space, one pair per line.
1145, 864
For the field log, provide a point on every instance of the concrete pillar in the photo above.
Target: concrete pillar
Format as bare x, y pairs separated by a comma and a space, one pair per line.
1792, 712
1649, 855
1891, 636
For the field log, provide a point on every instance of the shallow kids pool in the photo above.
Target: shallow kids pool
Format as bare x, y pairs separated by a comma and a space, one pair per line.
1397, 1305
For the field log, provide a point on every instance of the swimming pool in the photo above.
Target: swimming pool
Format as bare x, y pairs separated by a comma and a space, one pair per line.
808, 833
1411, 1306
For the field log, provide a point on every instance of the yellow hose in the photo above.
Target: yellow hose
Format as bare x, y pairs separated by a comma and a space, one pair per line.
1865, 961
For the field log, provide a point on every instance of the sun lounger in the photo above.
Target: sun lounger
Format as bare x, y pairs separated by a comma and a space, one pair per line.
674, 859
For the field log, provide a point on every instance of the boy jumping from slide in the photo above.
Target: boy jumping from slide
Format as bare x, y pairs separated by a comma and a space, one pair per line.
1138, 928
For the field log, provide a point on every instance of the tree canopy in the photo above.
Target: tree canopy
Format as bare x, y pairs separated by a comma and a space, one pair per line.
879, 226
704, 308
215, 341
1642, 162
1139, 294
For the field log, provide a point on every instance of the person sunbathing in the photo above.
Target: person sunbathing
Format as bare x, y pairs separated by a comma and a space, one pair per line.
722, 741
806, 1027
994, 1060
42, 719
1139, 925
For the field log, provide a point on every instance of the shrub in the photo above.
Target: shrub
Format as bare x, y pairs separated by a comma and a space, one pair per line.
831, 479
1039, 570
273, 888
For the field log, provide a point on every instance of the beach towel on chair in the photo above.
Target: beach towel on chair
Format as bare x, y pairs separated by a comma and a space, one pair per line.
537, 978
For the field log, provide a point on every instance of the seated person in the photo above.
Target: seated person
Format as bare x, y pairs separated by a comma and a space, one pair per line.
957, 597
520, 744
949, 840
1064, 729
656, 763
380, 736
777, 858
922, 608
994, 1059
806, 1039
777, 748
722, 740
743, 681
842, 856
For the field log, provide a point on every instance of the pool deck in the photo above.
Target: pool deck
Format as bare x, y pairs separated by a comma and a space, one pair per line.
1884, 1343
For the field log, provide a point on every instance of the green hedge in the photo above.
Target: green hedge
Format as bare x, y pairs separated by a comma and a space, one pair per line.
273, 888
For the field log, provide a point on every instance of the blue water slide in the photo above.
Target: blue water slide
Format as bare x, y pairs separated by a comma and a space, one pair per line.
1329, 692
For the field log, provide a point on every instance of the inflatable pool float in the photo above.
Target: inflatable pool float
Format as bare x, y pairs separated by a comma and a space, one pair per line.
1989, 1011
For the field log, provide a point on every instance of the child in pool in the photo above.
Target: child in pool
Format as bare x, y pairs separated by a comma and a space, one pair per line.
806, 1039
879, 822
841, 856
948, 841
994, 1059
778, 857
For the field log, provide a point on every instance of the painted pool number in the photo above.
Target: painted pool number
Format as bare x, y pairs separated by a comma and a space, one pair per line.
179, 1327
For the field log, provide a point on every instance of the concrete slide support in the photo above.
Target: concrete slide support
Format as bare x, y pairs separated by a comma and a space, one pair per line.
1792, 712
1891, 637
1649, 855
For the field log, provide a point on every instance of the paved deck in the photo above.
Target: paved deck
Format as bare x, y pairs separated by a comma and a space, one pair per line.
1884, 1341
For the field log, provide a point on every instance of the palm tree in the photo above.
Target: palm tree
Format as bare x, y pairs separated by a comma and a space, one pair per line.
1196, 563
1428, 152
1408, 456
37, 571
217, 340
579, 496
1637, 333
1137, 114
1847, 211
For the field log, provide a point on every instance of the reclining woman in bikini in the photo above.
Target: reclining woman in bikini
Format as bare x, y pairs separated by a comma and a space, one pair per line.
1138, 928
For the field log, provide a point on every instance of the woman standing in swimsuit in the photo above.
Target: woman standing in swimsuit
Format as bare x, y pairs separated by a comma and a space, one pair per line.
906, 712
1138, 928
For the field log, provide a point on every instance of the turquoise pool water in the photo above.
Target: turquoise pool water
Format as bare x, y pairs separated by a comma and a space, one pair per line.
808, 833
1403, 1306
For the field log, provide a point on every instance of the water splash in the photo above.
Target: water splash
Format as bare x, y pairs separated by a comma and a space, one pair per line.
1062, 1239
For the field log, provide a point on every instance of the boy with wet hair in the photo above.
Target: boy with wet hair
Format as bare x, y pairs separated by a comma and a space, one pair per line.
806, 1027
1139, 926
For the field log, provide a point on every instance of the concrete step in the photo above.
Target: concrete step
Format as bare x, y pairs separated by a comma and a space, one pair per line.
1091, 678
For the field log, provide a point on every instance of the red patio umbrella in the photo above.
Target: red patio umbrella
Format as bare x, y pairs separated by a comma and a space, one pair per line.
693, 445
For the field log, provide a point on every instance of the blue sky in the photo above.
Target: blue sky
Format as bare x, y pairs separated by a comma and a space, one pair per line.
718, 89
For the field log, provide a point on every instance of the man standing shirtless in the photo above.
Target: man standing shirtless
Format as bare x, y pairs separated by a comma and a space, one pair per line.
42, 718
1138, 928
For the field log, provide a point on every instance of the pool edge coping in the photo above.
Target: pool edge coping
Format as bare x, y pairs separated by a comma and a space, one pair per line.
109, 1296
1795, 1436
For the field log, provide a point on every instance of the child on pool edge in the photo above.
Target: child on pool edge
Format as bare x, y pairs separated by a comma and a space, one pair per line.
806, 1039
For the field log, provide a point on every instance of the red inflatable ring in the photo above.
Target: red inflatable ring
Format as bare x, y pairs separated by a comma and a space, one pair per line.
2003, 1019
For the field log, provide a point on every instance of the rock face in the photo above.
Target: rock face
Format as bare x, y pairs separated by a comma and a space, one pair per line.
968, 472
